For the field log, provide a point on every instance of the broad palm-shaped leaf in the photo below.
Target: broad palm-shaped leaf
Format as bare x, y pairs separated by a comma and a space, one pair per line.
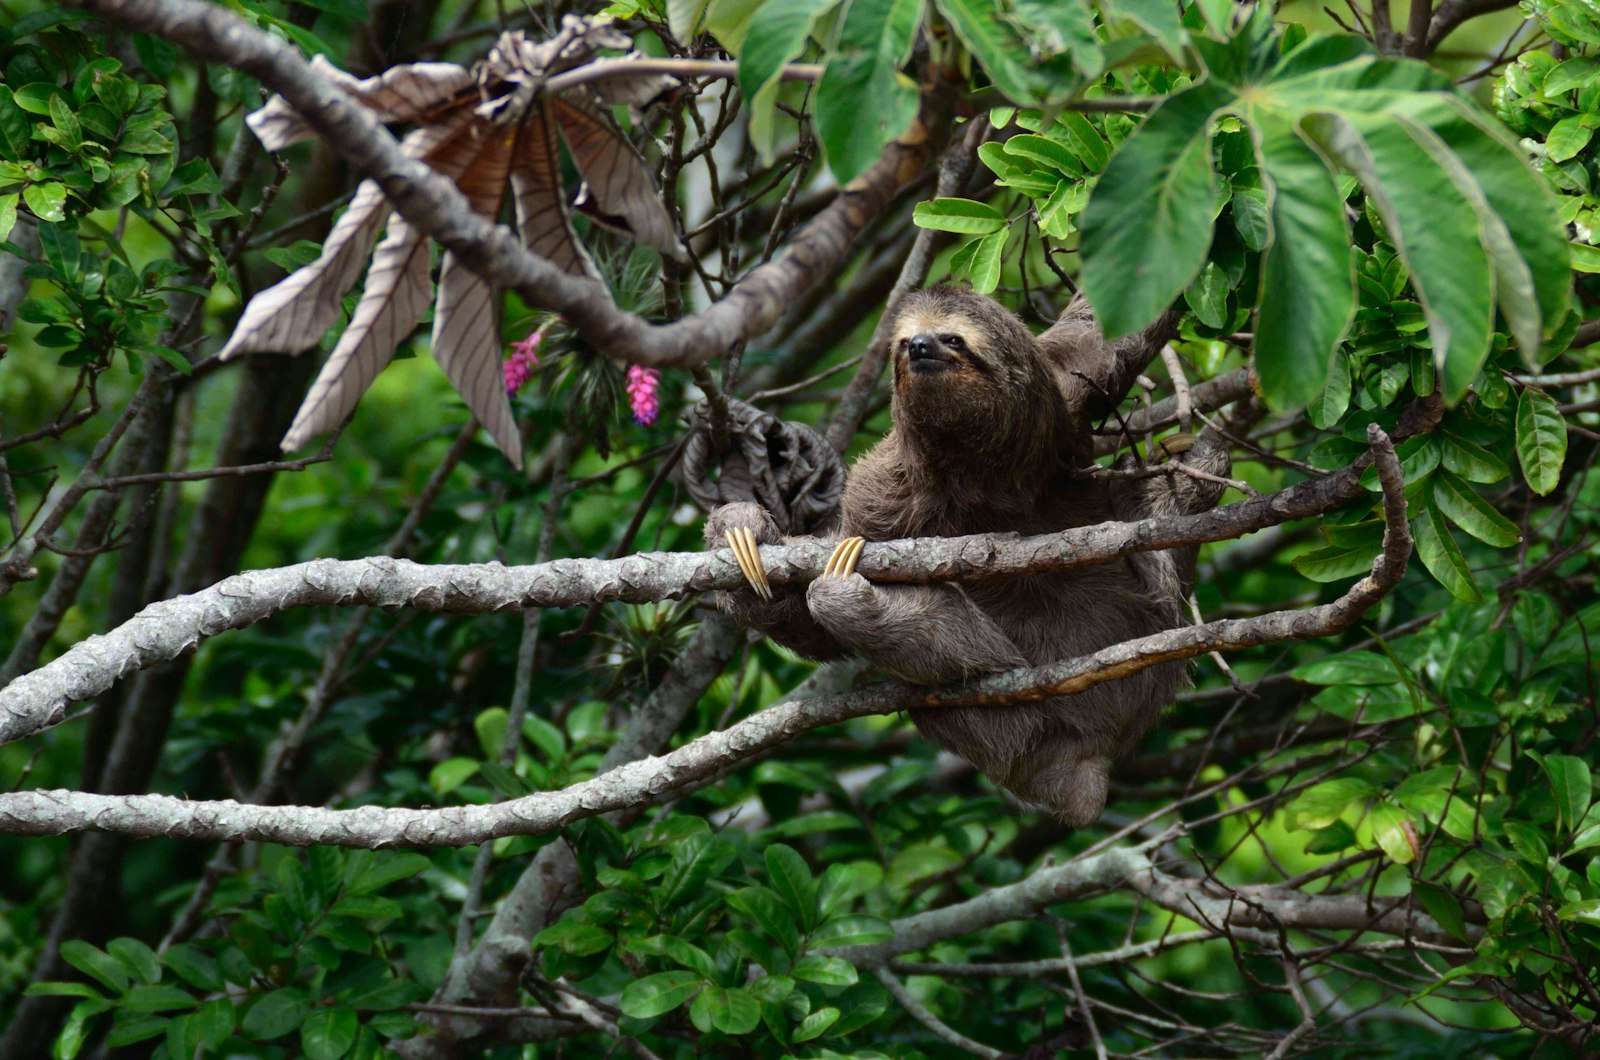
1477, 229
493, 131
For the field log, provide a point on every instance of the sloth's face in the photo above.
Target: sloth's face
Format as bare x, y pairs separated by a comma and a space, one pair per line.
933, 344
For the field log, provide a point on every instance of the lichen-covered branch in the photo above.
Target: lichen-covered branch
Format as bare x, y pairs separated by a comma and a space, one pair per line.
165, 630
703, 760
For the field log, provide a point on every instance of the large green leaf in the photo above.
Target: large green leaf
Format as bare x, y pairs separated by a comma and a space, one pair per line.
774, 39
1427, 216
1147, 227
1440, 554
1007, 56
863, 100
1308, 285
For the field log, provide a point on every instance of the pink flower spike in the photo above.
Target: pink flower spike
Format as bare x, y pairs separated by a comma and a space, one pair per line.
523, 360
642, 385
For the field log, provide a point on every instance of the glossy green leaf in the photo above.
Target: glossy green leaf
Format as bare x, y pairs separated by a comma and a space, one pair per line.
1572, 786
655, 995
962, 216
863, 100
1148, 223
732, 1011
96, 964
328, 1033
1469, 460
1541, 440
1319, 806
1349, 668
1395, 832
790, 877
1426, 215
1005, 54
851, 931
816, 1024
1574, 73
773, 40
276, 1014
1461, 503
47, 200
194, 965
828, 971
1441, 555
138, 958
987, 255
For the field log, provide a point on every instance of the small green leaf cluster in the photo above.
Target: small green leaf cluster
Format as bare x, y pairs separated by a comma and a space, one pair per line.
1494, 819
671, 928
301, 965
80, 136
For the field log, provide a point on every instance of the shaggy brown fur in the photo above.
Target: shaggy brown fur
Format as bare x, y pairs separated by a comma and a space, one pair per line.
988, 424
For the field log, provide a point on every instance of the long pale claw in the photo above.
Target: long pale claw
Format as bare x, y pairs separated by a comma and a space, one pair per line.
846, 554
743, 542
1173, 444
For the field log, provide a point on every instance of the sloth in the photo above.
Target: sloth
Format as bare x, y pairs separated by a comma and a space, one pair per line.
992, 428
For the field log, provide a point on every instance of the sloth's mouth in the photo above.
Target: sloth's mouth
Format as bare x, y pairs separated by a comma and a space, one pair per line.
931, 360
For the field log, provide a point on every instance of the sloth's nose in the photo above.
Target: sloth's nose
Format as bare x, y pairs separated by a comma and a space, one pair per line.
923, 346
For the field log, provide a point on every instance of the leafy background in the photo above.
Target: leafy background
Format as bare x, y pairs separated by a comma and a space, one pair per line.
1147, 152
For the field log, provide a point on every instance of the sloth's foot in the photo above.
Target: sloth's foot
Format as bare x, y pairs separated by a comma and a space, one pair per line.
746, 553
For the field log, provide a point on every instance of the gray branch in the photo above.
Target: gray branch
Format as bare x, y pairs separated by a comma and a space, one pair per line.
167, 629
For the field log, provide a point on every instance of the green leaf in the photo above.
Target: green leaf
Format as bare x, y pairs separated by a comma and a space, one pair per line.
1349, 668
772, 41
962, 216
366, 876
1251, 218
791, 879
1461, 503
695, 859
1161, 19
1395, 833
46, 200
816, 1024
1470, 460
1443, 906
1568, 136
986, 258
685, 953
276, 1014
828, 971
655, 995
1541, 440
1521, 229
127, 1032
1307, 295
1079, 133
96, 964
1057, 27
1006, 56
732, 1011
328, 1033
1332, 839
768, 910
1426, 214
1208, 296
1574, 73
684, 18
450, 774
1041, 149
194, 966
138, 958
863, 100
52, 989
1148, 224
1572, 785
855, 930
1440, 554
156, 999
1318, 807
16, 131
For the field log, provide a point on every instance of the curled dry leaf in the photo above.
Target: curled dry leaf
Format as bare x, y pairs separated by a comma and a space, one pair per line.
493, 131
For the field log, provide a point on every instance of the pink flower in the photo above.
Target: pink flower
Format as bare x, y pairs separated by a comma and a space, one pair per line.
523, 360
642, 384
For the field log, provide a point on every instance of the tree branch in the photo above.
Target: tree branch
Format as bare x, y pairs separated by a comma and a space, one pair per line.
436, 207
703, 760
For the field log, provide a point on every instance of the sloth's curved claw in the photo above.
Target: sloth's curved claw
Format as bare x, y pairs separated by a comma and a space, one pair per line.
1172, 445
846, 554
745, 553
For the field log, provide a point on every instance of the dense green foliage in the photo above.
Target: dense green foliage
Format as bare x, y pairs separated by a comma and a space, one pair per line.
1355, 221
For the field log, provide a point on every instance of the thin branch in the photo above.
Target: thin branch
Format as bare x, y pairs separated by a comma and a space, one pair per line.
937, 1027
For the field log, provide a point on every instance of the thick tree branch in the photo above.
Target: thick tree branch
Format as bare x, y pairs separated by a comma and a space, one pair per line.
703, 760
165, 630
432, 203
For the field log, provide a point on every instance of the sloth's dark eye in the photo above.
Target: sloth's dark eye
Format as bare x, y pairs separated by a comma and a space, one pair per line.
953, 341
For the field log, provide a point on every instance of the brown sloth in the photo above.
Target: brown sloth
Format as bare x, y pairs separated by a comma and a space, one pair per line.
992, 427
